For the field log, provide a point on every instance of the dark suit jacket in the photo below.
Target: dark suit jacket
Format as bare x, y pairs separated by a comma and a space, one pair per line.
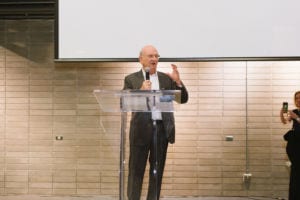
141, 126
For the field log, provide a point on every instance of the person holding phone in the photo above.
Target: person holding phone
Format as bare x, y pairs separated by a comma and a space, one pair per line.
293, 145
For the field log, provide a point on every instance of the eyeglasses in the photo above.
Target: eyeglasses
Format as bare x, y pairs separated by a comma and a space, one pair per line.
152, 56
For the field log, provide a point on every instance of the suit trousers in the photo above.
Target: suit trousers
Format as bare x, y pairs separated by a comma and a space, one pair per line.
137, 165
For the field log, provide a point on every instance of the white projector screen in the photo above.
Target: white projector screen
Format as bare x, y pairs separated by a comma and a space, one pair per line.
180, 29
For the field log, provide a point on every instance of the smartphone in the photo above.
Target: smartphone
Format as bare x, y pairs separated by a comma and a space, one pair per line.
285, 107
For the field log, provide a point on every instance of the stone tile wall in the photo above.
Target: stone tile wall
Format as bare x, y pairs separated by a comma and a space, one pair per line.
41, 99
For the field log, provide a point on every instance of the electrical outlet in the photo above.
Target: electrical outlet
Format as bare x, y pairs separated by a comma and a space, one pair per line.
247, 177
229, 138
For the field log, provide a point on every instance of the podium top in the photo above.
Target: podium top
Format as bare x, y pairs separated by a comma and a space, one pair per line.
137, 100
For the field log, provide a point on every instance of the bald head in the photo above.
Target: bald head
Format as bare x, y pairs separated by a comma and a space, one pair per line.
146, 49
149, 57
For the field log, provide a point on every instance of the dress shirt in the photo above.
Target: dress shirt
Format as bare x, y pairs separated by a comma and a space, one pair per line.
156, 115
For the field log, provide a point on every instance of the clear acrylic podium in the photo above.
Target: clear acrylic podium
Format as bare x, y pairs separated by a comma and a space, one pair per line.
124, 101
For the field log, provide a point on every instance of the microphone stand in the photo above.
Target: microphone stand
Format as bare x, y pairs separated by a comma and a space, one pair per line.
154, 119
155, 134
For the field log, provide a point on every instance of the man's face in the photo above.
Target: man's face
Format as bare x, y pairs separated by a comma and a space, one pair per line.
149, 58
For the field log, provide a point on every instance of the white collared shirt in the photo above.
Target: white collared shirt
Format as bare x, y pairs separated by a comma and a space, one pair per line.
156, 115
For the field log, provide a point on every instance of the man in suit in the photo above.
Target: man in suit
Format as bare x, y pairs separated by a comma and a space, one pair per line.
141, 137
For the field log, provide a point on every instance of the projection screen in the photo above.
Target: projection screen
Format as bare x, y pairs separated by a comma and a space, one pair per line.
180, 29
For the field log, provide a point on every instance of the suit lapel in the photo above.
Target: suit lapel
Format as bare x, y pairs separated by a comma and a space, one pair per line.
139, 79
161, 81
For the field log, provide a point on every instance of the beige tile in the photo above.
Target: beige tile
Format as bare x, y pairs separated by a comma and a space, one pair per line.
40, 99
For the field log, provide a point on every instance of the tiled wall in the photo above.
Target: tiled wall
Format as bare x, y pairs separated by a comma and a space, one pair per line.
40, 99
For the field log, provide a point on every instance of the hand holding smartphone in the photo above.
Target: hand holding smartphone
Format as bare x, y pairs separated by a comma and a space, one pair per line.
285, 107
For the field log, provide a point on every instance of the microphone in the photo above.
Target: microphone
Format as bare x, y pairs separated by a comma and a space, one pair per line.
147, 69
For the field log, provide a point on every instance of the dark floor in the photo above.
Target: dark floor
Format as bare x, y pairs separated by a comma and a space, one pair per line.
37, 197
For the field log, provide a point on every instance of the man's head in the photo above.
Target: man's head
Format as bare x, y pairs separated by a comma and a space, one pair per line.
149, 58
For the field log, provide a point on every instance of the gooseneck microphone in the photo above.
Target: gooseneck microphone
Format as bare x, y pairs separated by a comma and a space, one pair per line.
147, 70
